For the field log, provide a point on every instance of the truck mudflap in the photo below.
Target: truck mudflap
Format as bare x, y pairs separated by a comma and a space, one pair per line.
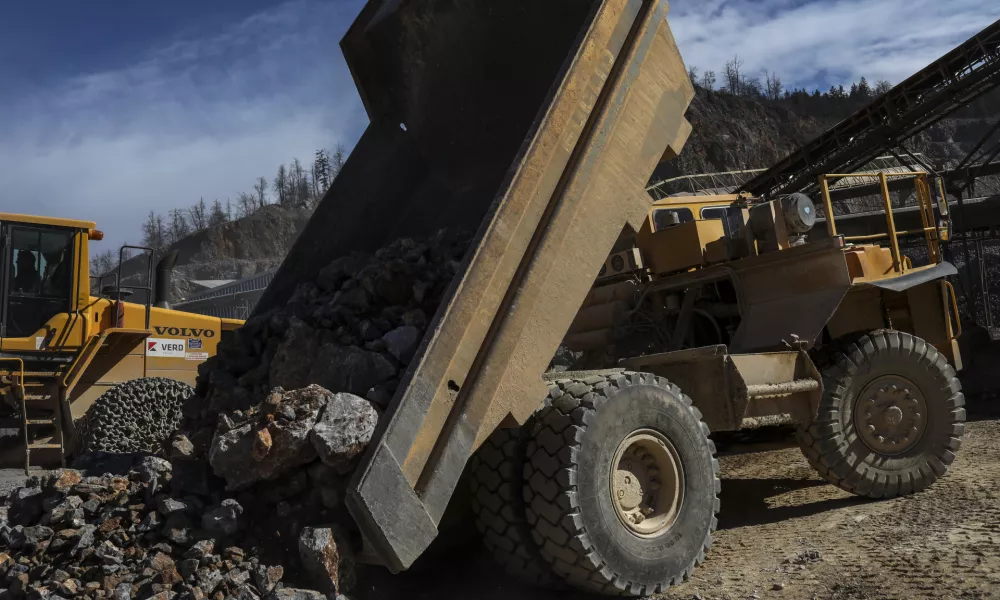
535, 125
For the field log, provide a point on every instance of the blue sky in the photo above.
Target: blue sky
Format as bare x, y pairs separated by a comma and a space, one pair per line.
113, 108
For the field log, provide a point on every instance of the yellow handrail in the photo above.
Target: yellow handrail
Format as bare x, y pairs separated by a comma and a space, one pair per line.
925, 207
954, 310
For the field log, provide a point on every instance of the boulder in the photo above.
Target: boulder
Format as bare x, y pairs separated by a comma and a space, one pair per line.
350, 369
343, 430
326, 556
238, 456
292, 361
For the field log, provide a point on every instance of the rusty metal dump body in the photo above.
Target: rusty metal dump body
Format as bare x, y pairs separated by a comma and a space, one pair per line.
535, 125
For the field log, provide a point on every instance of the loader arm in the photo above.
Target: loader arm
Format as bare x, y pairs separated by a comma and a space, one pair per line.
535, 125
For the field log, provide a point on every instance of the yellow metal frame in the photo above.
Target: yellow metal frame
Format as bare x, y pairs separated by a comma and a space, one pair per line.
925, 206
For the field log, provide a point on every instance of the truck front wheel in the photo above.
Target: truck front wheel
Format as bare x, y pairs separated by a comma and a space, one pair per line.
891, 418
621, 483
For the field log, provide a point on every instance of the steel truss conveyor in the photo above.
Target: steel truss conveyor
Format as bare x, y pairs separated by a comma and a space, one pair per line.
949, 83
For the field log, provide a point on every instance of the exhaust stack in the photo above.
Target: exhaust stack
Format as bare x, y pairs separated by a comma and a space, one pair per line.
163, 279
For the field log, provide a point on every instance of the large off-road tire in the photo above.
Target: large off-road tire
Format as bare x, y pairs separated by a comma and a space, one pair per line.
496, 481
891, 417
136, 416
589, 472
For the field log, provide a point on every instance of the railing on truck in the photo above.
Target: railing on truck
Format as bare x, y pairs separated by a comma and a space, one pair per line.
933, 230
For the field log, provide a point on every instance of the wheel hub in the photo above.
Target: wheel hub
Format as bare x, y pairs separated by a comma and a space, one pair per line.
647, 483
890, 415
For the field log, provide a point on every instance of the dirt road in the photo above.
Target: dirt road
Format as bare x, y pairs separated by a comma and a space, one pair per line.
786, 534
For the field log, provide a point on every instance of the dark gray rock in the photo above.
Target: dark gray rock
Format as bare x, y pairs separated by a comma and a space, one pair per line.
327, 557
208, 579
402, 342
337, 272
223, 519
343, 430
295, 594
200, 549
350, 369
293, 359
265, 577
170, 506
247, 455
123, 591
25, 505
188, 566
181, 447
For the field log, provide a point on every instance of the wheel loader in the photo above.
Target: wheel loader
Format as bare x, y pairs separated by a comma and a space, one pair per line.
62, 348
537, 125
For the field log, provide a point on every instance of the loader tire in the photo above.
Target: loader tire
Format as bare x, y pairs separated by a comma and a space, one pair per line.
497, 501
135, 416
590, 472
891, 417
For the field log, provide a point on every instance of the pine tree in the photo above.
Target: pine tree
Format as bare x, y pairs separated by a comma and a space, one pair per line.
864, 90
337, 161
321, 170
281, 186
218, 215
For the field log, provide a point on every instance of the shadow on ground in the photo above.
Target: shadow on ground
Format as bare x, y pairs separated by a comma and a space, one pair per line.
745, 501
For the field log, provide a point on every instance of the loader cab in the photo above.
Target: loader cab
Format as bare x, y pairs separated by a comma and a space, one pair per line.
39, 279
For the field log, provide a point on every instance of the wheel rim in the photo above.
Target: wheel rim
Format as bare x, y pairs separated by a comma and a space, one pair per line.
647, 483
890, 415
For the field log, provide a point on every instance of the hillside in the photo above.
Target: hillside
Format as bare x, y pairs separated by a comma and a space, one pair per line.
729, 133
231, 250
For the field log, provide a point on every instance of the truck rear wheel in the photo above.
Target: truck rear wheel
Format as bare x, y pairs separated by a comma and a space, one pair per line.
621, 483
891, 418
497, 501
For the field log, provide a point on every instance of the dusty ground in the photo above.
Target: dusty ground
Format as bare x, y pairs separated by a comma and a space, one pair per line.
786, 534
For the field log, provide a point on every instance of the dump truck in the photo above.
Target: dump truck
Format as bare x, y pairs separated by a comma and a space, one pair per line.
537, 125
63, 348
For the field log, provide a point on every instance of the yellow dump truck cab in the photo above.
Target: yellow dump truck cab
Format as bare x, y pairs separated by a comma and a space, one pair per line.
61, 347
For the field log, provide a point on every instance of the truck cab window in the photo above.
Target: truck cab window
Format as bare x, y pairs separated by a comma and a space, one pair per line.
668, 217
38, 286
713, 212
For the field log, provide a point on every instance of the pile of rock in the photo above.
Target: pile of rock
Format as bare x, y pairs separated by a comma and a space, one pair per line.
70, 536
354, 330
259, 467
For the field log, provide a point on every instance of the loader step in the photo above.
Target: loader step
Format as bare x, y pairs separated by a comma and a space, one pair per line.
37, 397
40, 421
44, 446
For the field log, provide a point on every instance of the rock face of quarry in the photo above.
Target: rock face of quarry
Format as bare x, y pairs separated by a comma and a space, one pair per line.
245, 500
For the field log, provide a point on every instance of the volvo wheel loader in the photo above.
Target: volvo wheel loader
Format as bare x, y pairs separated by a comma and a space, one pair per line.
62, 348
537, 125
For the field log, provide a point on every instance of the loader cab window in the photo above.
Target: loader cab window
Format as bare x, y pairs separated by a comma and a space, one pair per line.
38, 277
668, 217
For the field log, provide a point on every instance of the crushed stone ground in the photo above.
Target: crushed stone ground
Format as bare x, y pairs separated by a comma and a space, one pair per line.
783, 527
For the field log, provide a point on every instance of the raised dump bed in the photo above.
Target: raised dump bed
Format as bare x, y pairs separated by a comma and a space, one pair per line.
534, 124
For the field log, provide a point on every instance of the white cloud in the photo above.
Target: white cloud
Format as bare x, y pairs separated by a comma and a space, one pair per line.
204, 116
813, 43
198, 117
